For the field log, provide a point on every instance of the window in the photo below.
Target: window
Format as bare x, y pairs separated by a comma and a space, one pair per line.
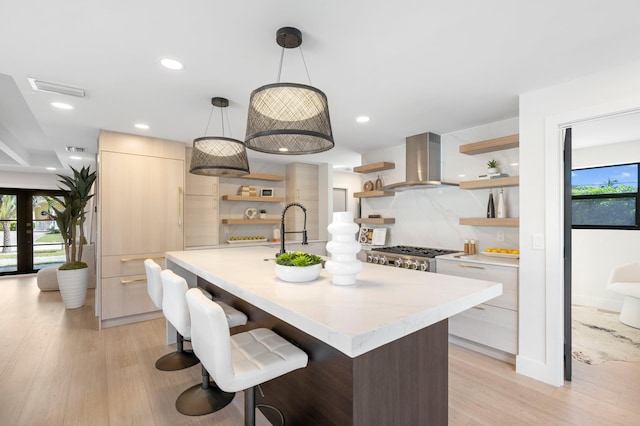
605, 197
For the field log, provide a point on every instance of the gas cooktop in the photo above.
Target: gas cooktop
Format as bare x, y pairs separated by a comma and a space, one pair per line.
415, 251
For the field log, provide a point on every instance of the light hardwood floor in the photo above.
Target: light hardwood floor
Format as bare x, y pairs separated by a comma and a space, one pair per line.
56, 368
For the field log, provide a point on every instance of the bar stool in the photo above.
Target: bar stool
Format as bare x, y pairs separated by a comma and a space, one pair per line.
242, 361
202, 398
181, 358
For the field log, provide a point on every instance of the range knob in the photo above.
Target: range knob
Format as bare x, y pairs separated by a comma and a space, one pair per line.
383, 260
414, 265
399, 263
407, 264
424, 267
370, 258
376, 259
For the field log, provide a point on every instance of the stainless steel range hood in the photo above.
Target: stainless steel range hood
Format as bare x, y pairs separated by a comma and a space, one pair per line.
422, 164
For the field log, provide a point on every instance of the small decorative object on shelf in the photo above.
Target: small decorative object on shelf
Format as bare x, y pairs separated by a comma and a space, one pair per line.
502, 206
379, 184
368, 186
263, 214
343, 266
491, 212
492, 167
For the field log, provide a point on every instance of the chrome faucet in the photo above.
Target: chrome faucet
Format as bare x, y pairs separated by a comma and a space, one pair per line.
283, 232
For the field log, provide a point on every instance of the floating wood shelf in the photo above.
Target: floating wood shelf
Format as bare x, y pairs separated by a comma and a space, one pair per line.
253, 198
490, 145
375, 220
375, 167
483, 221
368, 194
491, 183
250, 221
260, 176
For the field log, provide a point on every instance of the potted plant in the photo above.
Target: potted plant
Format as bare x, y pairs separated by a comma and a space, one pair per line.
492, 167
73, 275
298, 266
263, 214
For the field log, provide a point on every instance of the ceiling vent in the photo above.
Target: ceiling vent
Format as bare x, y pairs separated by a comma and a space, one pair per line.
74, 149
46, 86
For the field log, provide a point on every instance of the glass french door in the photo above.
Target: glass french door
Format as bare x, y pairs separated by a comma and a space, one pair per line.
30, 237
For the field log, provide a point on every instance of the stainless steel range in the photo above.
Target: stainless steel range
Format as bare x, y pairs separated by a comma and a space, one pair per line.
418, 258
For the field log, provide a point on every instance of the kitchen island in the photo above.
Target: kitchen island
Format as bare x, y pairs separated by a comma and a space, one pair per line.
377, 350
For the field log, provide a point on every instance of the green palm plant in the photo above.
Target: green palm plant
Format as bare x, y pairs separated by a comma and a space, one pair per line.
7, 212
72, 215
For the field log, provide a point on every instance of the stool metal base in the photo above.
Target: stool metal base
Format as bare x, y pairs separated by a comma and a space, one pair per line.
199, 400
177, 361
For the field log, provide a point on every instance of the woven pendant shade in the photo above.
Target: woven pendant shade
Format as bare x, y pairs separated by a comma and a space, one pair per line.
219, 156
288, 118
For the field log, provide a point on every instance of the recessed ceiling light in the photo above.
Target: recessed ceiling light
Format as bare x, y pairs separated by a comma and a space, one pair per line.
75, 157
141, 126
51, 168
283, 149
363, 119
171, 64
61, 105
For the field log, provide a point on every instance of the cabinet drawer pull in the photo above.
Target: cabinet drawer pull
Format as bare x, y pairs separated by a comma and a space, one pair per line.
480, 308
471, 266
136, 259
134, 280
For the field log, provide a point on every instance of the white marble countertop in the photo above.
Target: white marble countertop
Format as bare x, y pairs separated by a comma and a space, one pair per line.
481, 258
384, 305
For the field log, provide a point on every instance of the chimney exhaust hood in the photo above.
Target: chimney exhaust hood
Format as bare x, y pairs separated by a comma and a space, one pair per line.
422, 164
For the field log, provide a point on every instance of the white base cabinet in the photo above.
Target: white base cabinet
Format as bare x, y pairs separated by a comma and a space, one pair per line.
493, 324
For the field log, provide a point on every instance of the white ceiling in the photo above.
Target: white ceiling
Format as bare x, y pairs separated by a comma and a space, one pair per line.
411, 65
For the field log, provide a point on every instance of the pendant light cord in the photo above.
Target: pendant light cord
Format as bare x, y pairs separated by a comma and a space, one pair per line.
223, 113
303, 62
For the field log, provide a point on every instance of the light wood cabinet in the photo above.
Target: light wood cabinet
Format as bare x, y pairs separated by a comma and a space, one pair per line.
302, 187
494, 323
200, 207
141, 215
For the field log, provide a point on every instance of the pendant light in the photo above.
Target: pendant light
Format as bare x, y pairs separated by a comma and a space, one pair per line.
219, 155
288, 118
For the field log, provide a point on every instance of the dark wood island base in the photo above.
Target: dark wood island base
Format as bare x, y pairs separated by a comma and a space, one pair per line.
404, 382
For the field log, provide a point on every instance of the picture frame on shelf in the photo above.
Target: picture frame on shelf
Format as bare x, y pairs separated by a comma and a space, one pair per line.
266, 192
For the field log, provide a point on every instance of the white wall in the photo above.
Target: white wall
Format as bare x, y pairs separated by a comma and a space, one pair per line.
28, 180
352, 183
592, 266
542, 114
430, 217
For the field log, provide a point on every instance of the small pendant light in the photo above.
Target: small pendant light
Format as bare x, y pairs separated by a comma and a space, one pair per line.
219, 155
288, 118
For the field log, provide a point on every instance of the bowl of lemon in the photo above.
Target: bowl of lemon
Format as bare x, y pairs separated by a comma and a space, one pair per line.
501, 252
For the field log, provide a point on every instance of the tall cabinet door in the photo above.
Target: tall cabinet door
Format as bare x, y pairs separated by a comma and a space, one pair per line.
142, 206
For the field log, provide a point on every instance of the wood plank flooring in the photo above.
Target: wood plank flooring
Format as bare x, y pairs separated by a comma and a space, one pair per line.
56, 368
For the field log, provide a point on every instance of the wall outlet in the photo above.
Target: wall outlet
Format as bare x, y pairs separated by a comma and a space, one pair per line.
500, 236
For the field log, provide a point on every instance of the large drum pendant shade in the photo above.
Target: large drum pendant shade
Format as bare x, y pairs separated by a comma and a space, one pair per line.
288, 118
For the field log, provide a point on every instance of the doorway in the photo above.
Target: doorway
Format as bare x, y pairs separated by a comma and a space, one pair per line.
596, 142
30, 237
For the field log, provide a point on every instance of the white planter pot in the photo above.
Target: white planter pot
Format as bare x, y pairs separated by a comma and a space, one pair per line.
298, 274
73, 286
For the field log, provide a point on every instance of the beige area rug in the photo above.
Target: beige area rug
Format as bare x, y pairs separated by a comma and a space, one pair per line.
598, 336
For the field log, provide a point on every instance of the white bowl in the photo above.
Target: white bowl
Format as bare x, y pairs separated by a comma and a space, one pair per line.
298, 274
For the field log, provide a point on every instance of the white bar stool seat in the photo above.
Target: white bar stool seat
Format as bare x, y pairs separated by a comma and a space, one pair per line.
241, 361
206, 397
181, 358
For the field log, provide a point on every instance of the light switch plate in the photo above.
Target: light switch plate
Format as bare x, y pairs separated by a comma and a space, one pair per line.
537, 242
